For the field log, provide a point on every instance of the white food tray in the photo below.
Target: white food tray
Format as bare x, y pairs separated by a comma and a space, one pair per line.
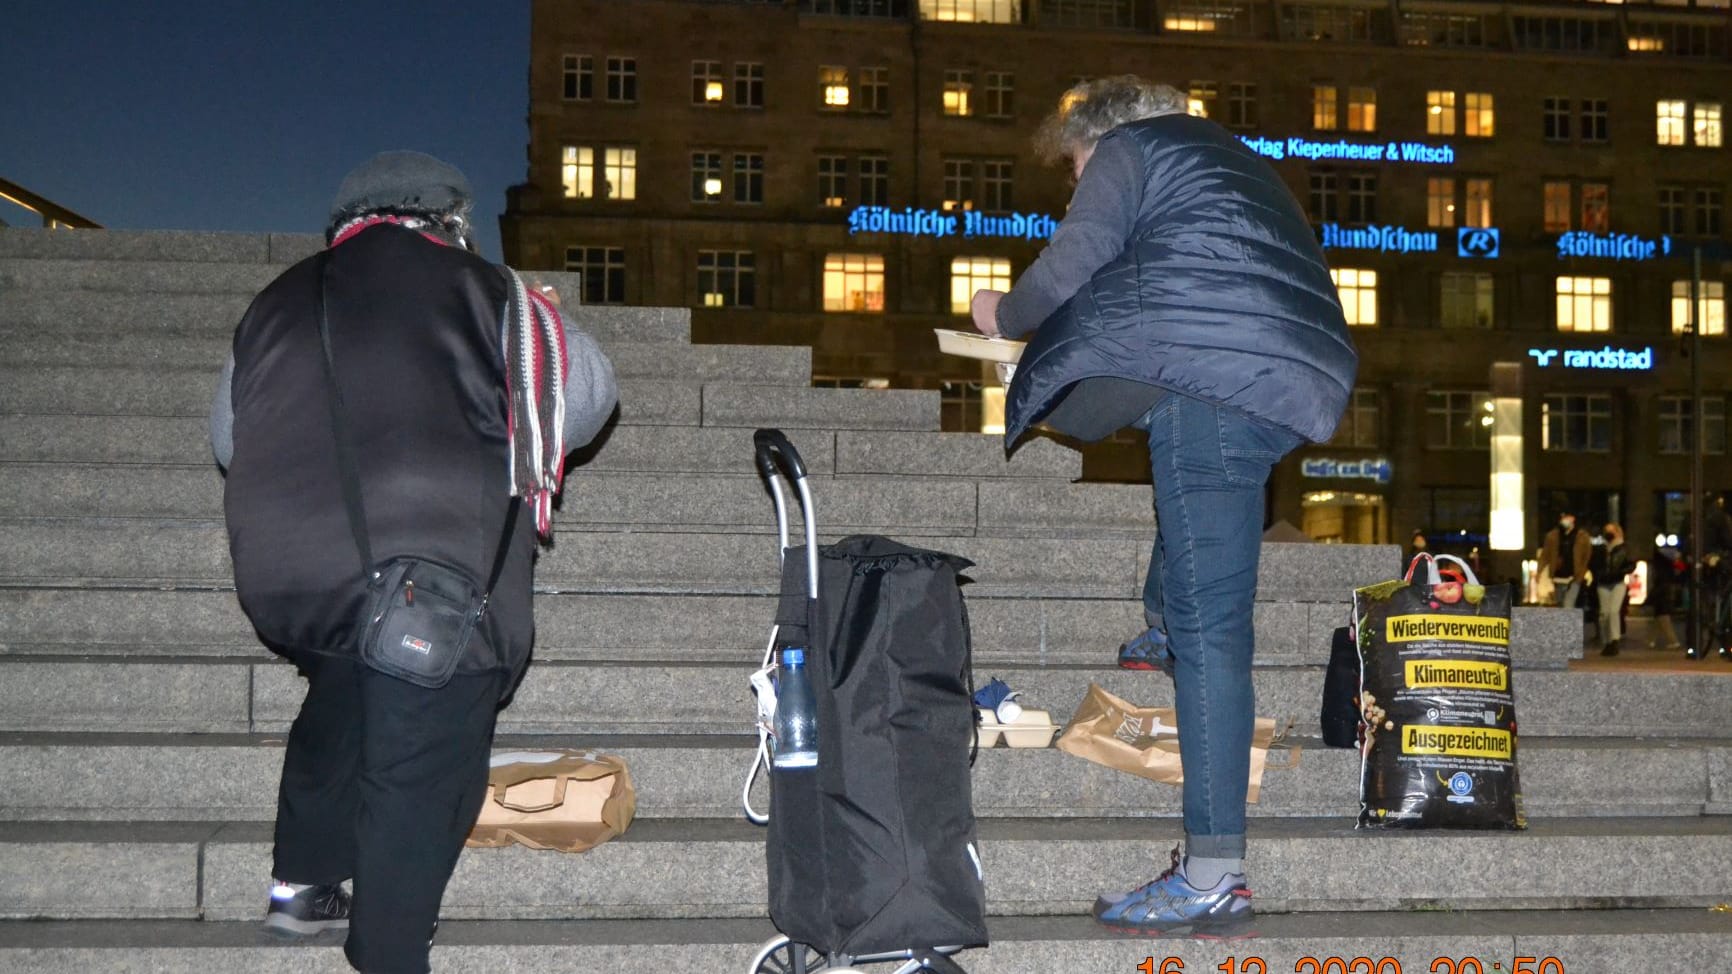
975, 345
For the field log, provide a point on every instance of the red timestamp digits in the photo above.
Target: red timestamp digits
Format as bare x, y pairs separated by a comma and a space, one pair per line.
1360, 965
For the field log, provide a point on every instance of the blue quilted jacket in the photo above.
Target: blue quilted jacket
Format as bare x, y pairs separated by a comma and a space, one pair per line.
1221, 293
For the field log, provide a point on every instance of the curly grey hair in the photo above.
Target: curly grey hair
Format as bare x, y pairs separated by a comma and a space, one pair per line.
1091, 109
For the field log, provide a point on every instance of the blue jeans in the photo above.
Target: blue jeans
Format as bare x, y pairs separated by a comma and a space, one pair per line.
1209, 464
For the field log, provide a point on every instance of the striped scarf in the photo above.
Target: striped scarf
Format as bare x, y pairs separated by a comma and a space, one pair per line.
532, 338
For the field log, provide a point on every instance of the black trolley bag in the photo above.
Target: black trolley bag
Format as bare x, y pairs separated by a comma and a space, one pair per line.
872, 855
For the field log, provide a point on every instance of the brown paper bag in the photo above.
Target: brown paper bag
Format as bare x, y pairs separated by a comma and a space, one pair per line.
1145, 740
571, 801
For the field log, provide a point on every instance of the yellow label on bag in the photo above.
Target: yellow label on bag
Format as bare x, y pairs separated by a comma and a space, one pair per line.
1462, 674
1466, 629
1458, 742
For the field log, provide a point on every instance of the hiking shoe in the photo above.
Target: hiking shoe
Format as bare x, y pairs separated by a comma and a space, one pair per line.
1171, 905
1149, 651
309, 911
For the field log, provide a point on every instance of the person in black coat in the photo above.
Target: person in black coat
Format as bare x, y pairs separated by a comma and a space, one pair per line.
1184, 293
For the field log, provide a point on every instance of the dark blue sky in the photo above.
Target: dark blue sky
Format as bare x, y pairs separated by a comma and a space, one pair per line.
244, 115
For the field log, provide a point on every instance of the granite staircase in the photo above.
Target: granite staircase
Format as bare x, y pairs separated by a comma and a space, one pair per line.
141, 726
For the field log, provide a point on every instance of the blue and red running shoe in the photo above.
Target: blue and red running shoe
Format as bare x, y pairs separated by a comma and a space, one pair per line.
1171, 905
1149, 651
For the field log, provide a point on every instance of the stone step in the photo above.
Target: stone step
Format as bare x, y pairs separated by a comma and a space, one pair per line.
1597, 941
233, 778
156, 245
60, 390
757, 364
189, 553
83, 313
651, 500
670, 449
682, 868
226, 696
721, 628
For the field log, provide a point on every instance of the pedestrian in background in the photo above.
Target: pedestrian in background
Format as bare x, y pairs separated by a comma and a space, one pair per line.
1613, 565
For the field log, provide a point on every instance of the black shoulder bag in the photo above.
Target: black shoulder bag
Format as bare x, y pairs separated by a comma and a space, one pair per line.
419, 615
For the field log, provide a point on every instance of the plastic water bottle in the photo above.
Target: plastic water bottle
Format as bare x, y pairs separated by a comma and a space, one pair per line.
796, 727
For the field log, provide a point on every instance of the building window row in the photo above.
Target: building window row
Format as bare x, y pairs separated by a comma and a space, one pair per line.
1467, 299
577, 78
1585, 120
1678, 122
710, 86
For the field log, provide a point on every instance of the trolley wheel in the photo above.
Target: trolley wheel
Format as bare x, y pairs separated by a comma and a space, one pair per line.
778, 956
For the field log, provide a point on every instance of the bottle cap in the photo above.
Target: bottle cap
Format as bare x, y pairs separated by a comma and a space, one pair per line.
794, 657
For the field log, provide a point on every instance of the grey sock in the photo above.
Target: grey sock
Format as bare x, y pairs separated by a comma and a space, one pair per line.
1205, 873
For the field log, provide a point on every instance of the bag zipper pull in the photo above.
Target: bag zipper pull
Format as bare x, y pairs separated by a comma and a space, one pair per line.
409, 592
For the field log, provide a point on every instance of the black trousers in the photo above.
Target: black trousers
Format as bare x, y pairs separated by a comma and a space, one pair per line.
382, 782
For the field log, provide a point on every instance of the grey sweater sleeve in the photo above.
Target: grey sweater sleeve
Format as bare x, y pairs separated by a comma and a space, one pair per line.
222, 417
590, 389
1103, 212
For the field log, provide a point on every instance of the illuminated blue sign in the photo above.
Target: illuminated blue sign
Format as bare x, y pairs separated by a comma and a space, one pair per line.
1397, 240
1378, 470
1482, 242
935, 223
1615, 359
1298, 148
1617, 246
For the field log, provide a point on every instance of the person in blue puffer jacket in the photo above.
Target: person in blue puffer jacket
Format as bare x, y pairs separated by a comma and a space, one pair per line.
1184, 293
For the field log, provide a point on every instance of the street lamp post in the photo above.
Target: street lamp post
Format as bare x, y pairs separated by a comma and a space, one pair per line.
1698, 437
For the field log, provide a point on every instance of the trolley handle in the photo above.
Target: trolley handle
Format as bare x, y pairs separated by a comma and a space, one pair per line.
775, 453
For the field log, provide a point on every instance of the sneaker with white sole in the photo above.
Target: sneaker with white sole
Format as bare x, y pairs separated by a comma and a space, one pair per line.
311, 910
1171, 905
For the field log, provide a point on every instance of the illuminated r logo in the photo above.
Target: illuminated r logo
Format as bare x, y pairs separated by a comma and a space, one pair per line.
1477, 243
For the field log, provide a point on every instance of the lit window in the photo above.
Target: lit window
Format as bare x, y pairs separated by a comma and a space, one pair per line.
622, 79
833, 181
601, 273
1242, 104
577, 77
577, 172
958, 184
1705, 124
971, 274
854, 282
706, 177
995, 183
1647, 45
748, 177
1362, 109
1596, 207
727, 278
1585, 304
748, 85
874, 90
1189, 23
1478, 203
1480, 115
958, 92
1358, 290
1710, 308
1467, 300
1557, 207
1323, 107
833, 87
707, 88
874, 181
1440, 202
621, 173
1440, 113
1669, 122
972, 11
1201, 99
